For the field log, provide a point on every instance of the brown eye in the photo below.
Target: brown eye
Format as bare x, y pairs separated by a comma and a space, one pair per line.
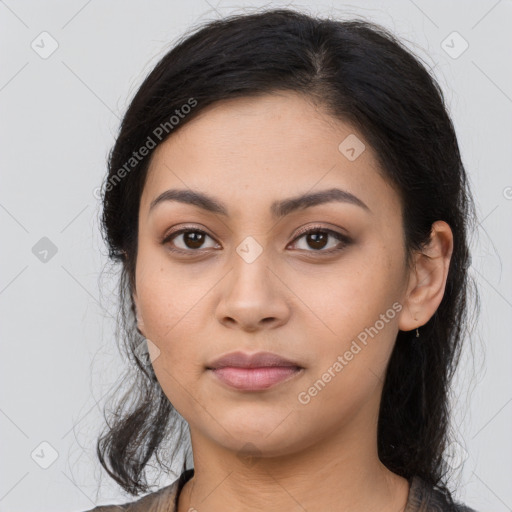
193, 239
318, 239
187, 240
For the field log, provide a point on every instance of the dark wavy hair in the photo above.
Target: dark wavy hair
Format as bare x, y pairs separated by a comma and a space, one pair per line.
360, 73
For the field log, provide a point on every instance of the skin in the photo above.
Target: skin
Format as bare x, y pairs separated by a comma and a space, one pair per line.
265, 450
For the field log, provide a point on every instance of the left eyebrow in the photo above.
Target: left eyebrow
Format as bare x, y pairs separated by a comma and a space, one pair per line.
279, 208
286, 206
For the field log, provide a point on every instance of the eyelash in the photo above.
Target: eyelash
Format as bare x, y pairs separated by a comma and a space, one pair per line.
343, 239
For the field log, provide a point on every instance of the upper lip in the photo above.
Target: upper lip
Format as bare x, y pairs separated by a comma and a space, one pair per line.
256, 360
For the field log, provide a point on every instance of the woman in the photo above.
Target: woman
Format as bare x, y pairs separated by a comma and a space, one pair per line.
288, 204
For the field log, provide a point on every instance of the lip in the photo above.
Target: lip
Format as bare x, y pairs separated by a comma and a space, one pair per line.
253, 372
256, 360
255, 379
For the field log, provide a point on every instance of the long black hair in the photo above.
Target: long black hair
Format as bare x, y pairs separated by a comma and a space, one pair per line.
359, 73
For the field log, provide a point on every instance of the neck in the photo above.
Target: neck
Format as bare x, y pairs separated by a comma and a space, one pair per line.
341, 472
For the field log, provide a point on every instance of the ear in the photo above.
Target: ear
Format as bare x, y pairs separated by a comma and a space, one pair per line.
427, 279
140, 321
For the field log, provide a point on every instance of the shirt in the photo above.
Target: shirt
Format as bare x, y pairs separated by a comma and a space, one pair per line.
421, 498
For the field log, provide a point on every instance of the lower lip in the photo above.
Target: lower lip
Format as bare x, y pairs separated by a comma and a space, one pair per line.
254, 379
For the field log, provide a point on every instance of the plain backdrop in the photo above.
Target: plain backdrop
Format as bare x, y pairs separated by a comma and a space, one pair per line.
68, 70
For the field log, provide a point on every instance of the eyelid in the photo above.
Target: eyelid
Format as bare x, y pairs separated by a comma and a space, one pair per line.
319, 227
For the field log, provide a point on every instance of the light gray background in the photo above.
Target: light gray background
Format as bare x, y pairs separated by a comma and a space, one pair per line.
59, 118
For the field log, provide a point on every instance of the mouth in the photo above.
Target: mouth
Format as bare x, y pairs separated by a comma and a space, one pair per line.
255, 379
255, 360
253, 372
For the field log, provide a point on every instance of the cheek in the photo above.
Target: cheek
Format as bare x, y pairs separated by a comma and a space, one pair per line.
350, 295
171, 321
165, 292
172, 301
167, 306
355, 316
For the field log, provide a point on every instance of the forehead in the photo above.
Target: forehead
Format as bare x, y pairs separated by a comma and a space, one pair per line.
253, 151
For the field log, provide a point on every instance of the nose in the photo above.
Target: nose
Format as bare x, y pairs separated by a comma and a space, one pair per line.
253, 296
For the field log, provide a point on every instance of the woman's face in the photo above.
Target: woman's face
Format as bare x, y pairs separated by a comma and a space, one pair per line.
246, 279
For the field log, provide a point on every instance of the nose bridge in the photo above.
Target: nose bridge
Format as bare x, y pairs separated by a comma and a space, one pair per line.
250, 272
252, 293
